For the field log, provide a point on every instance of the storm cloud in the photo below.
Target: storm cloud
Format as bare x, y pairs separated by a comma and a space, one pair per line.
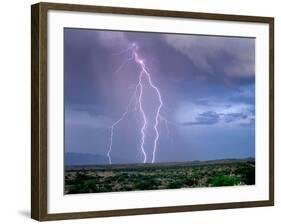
207, 84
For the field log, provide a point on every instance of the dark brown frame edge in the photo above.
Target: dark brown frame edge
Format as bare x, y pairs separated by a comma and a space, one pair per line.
39, 110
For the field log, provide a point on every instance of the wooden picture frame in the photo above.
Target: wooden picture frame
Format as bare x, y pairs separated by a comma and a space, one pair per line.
39, 110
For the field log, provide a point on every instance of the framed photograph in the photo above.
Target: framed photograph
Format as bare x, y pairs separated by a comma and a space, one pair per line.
139, 111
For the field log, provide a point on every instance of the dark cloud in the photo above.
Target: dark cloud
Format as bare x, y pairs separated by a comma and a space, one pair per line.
206, 118
250, 123
232, 57
231, 117
213, 117
92, 110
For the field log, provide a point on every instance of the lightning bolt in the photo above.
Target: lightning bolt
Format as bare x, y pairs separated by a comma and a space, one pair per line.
138, 96
112, 129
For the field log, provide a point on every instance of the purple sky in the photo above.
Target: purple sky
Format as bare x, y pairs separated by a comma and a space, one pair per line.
207, 85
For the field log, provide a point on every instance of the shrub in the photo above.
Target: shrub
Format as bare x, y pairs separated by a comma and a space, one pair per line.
87, 186
175, 184
146, 184
247, 173
224, 180
190, 181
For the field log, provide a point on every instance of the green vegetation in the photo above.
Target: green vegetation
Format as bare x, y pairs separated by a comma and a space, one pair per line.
159, 176
224, 180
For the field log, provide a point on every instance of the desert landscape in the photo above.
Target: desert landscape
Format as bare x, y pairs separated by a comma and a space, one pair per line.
134, 177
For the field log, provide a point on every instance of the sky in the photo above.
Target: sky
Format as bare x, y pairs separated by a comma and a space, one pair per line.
207, 85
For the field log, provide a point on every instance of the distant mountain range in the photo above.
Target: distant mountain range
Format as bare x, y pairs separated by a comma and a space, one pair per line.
84, 159
87, 159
